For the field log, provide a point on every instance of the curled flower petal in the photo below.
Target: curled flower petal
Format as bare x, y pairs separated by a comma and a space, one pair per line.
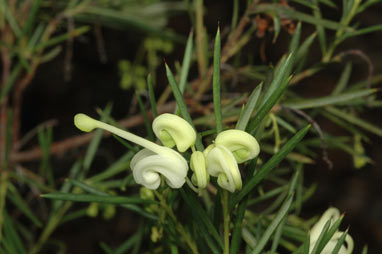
332, 214
147, 167
222, 164
242, 144
329, 247
198, 164
149, 162
173, 130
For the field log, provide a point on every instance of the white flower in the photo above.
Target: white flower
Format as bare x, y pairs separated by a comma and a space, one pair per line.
198, 164
173, 130
222, 164
332, 215
149, 163
230, 148
147, 167
242, 144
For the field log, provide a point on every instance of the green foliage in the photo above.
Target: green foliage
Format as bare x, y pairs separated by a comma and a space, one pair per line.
264, 103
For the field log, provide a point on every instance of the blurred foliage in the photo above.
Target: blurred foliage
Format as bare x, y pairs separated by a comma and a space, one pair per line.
34, 32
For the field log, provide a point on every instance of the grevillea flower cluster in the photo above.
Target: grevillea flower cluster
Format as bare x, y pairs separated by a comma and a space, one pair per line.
332, 215
219, 159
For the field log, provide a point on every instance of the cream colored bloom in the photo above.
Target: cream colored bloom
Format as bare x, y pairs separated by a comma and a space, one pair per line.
242, 144
222, 164
149, 163
173, 130
148, 166
198, 164
230, 148
332, 215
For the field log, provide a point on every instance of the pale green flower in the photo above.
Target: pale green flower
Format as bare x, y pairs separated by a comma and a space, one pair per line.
222, 164
242, 144
230, 148
173, 130
332, 215
148, 164
198, 164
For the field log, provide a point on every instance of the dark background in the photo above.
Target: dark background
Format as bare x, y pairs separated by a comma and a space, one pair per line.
94, 84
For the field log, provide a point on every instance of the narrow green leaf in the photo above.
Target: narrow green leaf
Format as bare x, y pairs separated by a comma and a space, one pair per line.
286, 125
235, 14
92, 190
329, 3
271, 163
186, 63
11, 19
319, 28
182, 105
63, 37
237, 228
273, 226
276, 26
11, 234
152, 96
105, 248
340, 122
125, 18
355, 120
339, 243
332, 230
117, 167
276, 89
216, 86
128, 244
96, 198
94, 143
146, 119
330, 100
303, 50
288, 12
212, 245
10, 82
32, 16
295, 41
238, 225
15, 197
36, 36
246, 113
344, 79
51, 54
65, 188
277, 236
366, 5
365, 250
370, 29
305, 3
24, 61
318, 246
268, 195
306, 244
200, 214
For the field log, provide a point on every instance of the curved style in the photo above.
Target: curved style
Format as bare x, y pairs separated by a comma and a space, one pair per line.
149, 163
